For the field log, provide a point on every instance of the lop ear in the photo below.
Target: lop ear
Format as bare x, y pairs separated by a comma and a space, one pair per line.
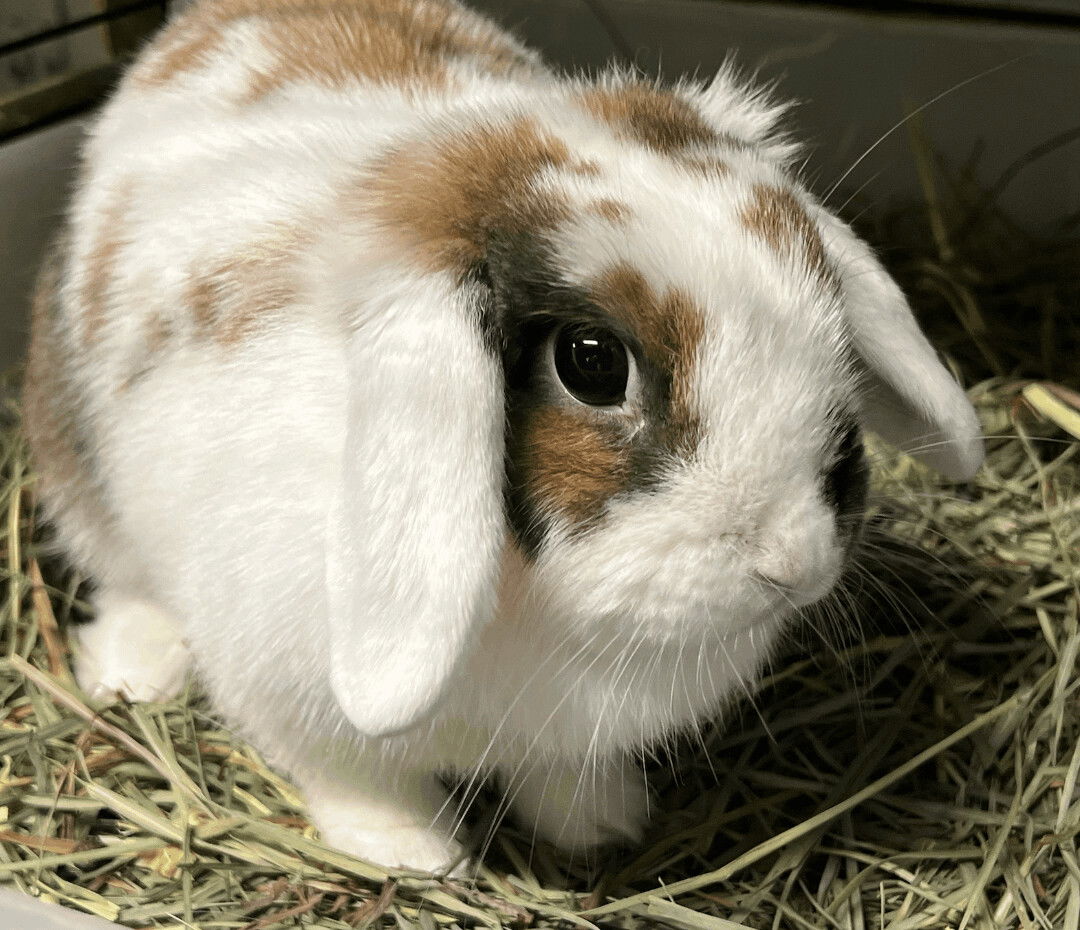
417, 529
910, 398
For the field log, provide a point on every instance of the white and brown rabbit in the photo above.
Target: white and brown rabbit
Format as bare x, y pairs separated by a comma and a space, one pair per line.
448, 415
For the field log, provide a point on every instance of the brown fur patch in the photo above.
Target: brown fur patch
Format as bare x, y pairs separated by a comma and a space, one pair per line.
186, 51
202, 301
707, 166
670, 328
776, 216
46, 428
334, 50
586, 168
231, 298
657, 119
100, 263
158, 332
444, 201
53, 424
611, 210
335, 42
569, 466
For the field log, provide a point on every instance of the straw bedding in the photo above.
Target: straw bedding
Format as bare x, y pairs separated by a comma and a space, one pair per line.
911, 761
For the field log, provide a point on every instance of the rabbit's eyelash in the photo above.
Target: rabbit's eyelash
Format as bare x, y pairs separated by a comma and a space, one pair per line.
551, 318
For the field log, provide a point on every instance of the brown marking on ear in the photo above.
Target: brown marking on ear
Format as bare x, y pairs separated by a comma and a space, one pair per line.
231, 298
611, 210
776, 216
657, 119
669, 327
443, 202
569, 466
100, 263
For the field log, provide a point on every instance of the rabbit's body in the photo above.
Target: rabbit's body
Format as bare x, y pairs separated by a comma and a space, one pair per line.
266, 394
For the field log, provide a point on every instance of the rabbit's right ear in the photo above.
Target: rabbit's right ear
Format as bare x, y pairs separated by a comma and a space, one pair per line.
417, 531
909, 398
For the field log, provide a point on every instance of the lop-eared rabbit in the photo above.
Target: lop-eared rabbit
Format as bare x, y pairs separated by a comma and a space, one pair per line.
446, 414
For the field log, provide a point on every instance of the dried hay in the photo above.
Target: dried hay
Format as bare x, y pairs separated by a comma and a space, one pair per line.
915, 766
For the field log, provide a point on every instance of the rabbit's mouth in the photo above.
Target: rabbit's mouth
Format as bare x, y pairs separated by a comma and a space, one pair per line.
796, 593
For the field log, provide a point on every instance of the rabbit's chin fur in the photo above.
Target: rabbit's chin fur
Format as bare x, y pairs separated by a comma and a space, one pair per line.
289, 418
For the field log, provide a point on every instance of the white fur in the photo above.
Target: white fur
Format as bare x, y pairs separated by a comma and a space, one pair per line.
394, 496
319, 506
910, 400
133, 650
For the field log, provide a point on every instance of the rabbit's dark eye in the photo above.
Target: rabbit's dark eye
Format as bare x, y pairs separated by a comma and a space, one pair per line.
591, 363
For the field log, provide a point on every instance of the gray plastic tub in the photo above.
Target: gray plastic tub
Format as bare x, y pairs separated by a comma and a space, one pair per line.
22, 912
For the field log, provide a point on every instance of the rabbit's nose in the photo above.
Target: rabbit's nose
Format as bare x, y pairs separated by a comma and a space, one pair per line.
799, 555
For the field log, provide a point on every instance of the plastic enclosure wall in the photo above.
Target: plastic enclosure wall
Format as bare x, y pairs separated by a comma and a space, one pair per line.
21, 912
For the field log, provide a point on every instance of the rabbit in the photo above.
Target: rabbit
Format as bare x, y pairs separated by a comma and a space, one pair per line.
446, 414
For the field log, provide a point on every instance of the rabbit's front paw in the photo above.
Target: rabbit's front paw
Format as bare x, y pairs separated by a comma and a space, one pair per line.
423, 849
132, 650
579, 807
397, 820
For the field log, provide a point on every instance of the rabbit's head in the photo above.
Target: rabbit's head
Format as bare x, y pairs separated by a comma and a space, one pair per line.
686, 348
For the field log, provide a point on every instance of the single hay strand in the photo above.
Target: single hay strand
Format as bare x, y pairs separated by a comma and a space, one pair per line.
50, 630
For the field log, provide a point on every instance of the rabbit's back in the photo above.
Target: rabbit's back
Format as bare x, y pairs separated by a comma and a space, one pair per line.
429, 46
219, 161
184, 316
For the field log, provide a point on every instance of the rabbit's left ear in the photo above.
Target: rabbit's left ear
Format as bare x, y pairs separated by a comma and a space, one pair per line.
910, 399
416, 533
